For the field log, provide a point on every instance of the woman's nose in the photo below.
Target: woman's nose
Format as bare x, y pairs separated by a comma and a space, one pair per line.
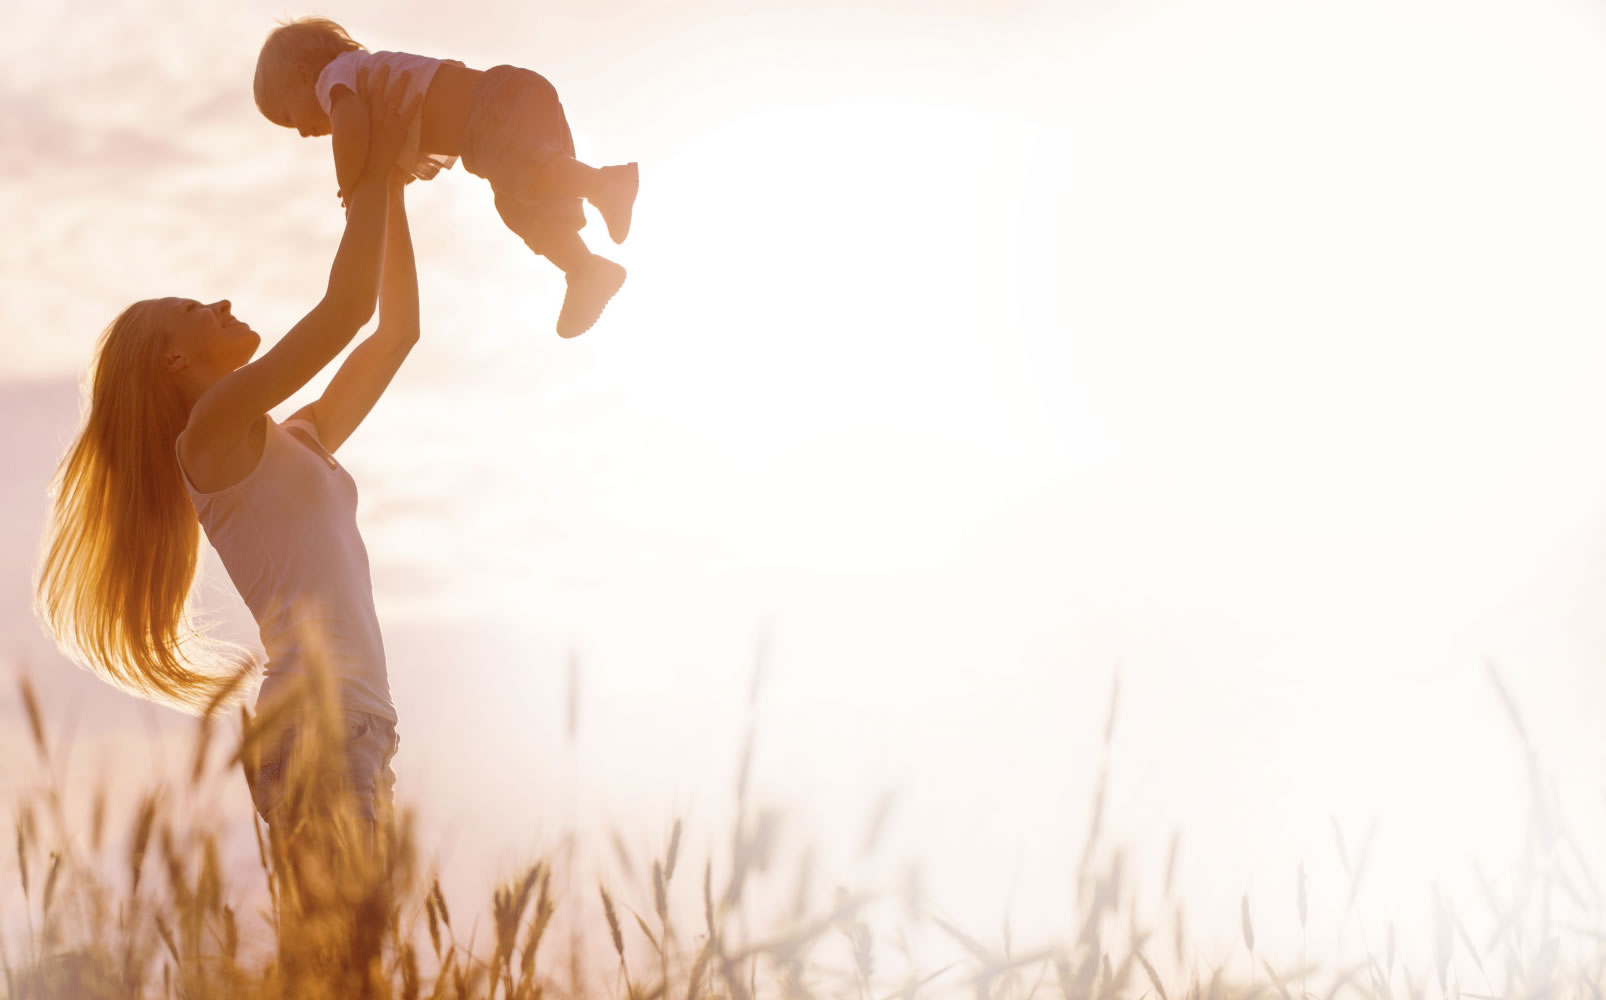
222, 306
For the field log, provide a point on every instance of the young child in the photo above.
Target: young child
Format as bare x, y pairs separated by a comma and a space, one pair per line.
505, 123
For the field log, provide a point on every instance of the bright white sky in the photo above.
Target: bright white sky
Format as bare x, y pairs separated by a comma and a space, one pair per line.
969, 350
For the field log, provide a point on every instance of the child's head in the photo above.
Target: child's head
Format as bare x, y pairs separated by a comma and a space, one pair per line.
287, 71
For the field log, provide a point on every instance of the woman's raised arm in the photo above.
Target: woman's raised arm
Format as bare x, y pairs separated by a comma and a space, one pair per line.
366, 373
228, 409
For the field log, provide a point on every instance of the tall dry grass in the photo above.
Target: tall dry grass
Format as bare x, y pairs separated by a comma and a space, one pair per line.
152, 913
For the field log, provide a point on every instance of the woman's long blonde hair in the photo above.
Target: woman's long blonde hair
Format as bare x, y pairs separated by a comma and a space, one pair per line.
123, 541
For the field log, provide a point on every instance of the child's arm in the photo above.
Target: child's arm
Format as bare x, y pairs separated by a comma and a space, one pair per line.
367, 371
348, 123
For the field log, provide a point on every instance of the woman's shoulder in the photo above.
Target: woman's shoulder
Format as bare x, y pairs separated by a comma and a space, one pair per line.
212, 468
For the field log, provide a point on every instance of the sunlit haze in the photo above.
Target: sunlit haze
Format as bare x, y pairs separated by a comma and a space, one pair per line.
973, 356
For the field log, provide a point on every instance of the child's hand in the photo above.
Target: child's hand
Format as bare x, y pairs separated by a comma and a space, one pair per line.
390, 115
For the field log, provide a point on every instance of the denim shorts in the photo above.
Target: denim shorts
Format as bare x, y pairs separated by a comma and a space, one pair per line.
368, 744
515, 122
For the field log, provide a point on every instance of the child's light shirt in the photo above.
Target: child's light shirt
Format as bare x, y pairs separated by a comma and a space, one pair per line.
342, 72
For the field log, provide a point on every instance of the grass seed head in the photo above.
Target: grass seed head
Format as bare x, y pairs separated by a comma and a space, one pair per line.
613, 922
434, 923
1154, 977
673, 854
440, 904
50, 882
22, 858
30, 705
660, 898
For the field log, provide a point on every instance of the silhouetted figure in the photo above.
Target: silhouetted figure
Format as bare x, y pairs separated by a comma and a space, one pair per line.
178, 439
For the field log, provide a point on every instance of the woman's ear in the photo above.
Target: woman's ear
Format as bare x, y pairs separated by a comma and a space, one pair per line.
174, 362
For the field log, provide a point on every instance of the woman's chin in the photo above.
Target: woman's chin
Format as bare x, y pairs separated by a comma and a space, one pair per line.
251, 352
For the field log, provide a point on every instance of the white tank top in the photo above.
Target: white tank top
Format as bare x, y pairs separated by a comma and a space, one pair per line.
287, 535
342, 72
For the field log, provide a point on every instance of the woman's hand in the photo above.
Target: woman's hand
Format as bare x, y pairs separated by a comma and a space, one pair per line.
391, 111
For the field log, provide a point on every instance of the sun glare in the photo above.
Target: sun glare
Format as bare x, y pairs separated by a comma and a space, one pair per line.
1204, 331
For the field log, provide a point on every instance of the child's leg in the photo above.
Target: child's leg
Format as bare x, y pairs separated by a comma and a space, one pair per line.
565, 249
561, 177
518, 138
592, 280
611, 189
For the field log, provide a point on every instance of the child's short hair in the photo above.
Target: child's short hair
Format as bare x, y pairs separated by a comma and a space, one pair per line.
294, 51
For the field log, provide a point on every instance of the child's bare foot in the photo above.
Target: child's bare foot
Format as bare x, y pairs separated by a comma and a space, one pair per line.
590, 287
617, 198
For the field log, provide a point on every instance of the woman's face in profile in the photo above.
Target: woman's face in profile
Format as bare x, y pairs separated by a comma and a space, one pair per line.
207, 335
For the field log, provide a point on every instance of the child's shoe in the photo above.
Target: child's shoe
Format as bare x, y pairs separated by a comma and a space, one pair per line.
590, 288
618, 199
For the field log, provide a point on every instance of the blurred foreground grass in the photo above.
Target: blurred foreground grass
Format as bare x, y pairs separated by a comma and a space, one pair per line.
153, 913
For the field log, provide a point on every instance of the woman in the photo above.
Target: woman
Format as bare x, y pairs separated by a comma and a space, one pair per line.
178, 437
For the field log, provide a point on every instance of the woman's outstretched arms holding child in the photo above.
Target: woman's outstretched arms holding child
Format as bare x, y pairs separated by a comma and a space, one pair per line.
231, 406
365, 375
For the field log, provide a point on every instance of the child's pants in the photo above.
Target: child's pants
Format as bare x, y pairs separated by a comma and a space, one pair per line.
516, 123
